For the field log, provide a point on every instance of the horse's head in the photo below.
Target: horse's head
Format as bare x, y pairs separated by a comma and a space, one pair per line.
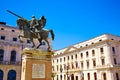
21, 23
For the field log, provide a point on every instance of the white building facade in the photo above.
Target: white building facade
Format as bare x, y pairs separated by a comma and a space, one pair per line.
94, 59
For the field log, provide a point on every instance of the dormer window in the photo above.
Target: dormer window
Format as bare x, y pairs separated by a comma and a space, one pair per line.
112, 39
92, 43
100, 40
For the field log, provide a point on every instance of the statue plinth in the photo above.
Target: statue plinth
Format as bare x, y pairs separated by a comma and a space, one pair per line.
36, 65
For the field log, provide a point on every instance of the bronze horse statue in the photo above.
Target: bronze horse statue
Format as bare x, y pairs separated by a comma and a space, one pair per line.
26, 32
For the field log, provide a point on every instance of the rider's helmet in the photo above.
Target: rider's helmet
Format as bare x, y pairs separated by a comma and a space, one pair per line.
33, 17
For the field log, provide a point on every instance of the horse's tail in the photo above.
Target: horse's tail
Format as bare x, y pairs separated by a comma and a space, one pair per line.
52, 33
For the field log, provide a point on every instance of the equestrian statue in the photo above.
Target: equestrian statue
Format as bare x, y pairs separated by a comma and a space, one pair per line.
33, 29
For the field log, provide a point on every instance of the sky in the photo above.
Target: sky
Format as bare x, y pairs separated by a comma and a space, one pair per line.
73, 21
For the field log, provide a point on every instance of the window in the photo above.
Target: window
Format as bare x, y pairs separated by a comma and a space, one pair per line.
93, 52
1, 74
100, 40
81, 55
11, 75
81, 64
101, 50
13, 56
95, 76
87, 54
92, 43
104, 76
87, 64
2, 28
76, 63
117, 76
71, 56
60, 59
94, 63
115, 62
2, 37
68, 57
14, 39
112, 39
76, 56
57, 60
28, 41
72, 65
88, 75
86, 44
57, 67
13, 30
113, 50
1, 55
103, 61
64, 58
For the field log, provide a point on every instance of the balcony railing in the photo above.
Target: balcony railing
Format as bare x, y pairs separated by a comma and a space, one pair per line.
10, 63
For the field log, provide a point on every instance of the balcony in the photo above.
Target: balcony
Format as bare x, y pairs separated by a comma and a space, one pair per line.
10, 63
108, 66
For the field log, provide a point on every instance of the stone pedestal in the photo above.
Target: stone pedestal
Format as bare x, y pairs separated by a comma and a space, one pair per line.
36, 65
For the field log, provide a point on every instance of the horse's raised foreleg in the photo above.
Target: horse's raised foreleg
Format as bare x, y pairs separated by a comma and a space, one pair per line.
40, 43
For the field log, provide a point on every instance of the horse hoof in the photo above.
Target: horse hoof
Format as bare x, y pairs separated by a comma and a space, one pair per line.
37, 47
49, 51
33, 46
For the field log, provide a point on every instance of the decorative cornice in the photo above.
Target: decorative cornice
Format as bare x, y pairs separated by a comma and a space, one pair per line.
67, 51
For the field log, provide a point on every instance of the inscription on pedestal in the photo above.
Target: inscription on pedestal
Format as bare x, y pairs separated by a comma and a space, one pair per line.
38, 71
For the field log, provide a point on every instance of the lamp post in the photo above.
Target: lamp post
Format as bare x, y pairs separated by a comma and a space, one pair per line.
61, 69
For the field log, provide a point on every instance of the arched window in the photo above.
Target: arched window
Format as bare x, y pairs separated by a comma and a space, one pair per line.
13, 56
1, 55
11, 75
1, 75
104, 76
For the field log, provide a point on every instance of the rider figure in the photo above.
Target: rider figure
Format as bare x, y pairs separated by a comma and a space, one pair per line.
34, 24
